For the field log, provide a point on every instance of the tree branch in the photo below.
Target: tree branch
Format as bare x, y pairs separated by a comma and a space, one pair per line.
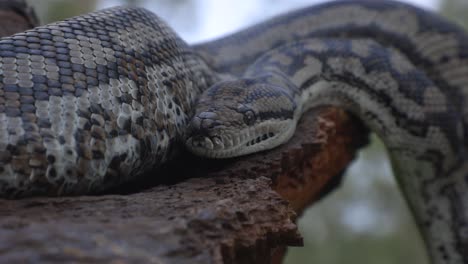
233, 211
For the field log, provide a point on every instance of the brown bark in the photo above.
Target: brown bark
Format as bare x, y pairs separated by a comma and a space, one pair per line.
233, 211
15, 16
13, 23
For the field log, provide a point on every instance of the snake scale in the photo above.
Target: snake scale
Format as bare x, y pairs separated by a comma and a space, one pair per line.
93, 101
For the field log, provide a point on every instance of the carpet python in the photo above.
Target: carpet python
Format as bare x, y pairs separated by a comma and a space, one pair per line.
93, 101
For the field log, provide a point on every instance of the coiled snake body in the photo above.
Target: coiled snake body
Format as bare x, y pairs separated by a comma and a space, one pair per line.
93, 101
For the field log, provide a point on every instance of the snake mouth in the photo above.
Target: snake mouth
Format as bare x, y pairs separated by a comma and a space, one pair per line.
212, 147
208, 143
246, 141
216, 147
260, 139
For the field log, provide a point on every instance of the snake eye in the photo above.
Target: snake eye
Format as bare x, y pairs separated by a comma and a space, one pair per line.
249, 117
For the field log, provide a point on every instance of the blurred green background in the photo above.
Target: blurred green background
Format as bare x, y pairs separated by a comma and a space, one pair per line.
366, 220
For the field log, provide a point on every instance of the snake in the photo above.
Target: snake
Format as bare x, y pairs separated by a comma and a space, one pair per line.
94, 101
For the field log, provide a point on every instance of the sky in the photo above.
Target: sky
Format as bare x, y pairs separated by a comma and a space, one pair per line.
218, 18
228, 12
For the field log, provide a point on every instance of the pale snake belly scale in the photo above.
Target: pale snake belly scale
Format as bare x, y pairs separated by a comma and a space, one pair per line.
94, 101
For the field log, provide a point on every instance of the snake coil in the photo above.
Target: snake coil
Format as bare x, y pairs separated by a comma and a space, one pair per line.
93, 101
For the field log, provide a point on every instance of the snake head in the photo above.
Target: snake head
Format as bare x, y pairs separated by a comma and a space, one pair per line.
239, 117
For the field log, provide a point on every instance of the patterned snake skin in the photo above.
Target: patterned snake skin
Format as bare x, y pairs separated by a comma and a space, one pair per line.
91, 102
409, 85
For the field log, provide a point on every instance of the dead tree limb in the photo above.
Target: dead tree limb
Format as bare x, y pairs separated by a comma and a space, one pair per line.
234, 211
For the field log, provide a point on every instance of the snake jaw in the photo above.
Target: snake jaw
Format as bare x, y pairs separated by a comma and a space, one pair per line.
240, 117
208, 143
218, 143
249, 140
203, 144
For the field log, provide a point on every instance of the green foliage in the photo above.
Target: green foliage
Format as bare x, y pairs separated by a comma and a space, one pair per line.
456, 10
55, 10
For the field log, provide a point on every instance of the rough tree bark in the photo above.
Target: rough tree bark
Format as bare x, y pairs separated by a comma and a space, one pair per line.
232, 211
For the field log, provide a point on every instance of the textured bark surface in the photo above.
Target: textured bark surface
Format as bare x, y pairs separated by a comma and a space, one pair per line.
15, 16
233, 211
198, 211
198, 221
11, 23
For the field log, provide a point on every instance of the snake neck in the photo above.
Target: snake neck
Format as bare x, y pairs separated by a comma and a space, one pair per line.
391, 23
421, 130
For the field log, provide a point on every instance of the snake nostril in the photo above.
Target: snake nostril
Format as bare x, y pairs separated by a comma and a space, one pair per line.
208, 127
204, 121
207, 124
195, 122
